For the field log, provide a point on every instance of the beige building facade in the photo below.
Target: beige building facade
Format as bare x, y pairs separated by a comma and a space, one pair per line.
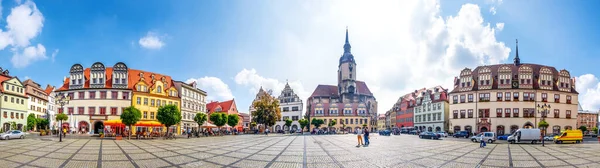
505, 97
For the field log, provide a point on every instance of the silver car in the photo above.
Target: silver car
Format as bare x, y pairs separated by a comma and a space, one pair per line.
12, 134
442, 134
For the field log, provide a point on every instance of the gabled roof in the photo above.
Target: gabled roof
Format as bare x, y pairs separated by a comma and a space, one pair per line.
134, 78
325, 90
2, 79
49, 89
86, 76
361, 88
226, 105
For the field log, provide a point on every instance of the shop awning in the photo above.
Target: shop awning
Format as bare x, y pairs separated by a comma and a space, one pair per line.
114, 123
149, 124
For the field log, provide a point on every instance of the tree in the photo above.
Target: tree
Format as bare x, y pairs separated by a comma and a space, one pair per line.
332, 123
31, 122
364, 125
253, 125
130, 116
543, 124
13, 125
583, 128
42, 123
317, 122
168, 115
200, 118
232, 120
303, 123
61, 117
595, 130
288, 123
267, 110
219, 119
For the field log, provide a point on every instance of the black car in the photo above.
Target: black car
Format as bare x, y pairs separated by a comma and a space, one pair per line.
429, 135
384, 132
413, 132
461, 134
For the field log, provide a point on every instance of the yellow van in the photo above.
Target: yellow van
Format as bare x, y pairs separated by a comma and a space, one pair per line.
569, 135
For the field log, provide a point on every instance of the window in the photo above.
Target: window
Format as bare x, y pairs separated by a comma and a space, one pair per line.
103, 95
516, 96
556, 113
146, 101
126, 95
71, 95
455, 99
158, 103
295, 108
484, 113
455, 115
151, 115
61, 110
6, 98
12, 100
484, 97
285, 109
507, 112
80, 110
114, 95
22, 101
71, 110
80, 95
462, 98
92, 110
470, 98
544, 97
159, 89
525, 96
499, 112
507, 96
499, 96
294, 118
145, 114
102, 110
164, 102
568, 113
92, 94
139, 100
470, 113
568, 99
152, 102
556, 98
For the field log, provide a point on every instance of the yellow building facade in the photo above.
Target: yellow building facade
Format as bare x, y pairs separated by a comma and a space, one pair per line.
151, 91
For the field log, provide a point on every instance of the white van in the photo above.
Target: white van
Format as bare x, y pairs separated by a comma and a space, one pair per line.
525, 135
489, 137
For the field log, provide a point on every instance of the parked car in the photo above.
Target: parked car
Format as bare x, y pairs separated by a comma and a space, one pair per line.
525, 135
429, 135
575, 136
12, 134
442, 134
460, 134
476, 138
489, 137
385, 132
549, 138
503, 137
413, 132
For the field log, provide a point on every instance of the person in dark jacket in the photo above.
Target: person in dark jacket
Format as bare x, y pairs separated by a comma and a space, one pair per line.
366, 137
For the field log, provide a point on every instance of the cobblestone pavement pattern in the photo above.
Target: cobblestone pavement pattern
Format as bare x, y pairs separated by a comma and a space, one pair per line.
290, 151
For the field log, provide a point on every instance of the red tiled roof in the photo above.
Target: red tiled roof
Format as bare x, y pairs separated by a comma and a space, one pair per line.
515, 71
325, 90
361, 88
226, 105
2, 79
49, 89
133, 78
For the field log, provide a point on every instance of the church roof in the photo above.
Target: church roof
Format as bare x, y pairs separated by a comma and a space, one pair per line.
332, 91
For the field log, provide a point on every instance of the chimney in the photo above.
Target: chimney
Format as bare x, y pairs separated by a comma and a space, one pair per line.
573, 81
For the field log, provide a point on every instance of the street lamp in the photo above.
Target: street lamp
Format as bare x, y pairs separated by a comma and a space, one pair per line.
61, 100
543, 109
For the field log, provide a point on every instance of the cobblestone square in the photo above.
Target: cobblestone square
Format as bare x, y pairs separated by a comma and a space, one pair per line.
291, 151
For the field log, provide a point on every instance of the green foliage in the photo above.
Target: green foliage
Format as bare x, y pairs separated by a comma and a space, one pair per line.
332, 123
130, 116
364, 125
303, 123
200, 118
253, 125
317, 122
267, 110
543, 124
233, 119
168, 115
62, 117
219, 119
288, 123
31, 121
42, 123
583, 128
595, 130
13, 125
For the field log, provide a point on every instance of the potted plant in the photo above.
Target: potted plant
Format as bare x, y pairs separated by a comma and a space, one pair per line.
101, 134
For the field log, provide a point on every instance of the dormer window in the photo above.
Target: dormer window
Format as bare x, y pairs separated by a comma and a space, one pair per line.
159, 89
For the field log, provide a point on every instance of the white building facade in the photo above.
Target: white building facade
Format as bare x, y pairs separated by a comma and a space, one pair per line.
431, 112
291, 108
192, 102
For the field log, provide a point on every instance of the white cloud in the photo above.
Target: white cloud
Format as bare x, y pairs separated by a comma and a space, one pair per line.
252, 80
30, 54
54, 54
216, 89
588, 87
27, 77
493, 10
499, 26
151, 41
399, 46
24, 23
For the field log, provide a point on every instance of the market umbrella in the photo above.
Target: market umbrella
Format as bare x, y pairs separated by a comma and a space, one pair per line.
208, 125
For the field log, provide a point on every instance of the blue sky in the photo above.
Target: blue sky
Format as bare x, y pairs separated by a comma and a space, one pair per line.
234, 47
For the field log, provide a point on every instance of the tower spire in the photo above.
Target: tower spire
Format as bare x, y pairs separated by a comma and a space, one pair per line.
347, 44
517, 59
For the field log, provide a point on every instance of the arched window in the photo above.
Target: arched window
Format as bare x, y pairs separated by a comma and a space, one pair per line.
159, 89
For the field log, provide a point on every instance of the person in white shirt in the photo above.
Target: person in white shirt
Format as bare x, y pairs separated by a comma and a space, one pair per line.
358, 135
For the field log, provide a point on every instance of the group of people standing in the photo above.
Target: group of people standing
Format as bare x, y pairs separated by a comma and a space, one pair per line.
365, 133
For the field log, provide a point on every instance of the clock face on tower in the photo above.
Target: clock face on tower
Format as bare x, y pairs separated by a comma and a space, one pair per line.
515, 84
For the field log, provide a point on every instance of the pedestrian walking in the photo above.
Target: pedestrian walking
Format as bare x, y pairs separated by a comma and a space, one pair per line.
359, 137
267, 132
482, 142
367, 137
189, 133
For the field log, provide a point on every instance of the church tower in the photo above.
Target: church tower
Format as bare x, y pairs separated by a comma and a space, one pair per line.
347, 73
